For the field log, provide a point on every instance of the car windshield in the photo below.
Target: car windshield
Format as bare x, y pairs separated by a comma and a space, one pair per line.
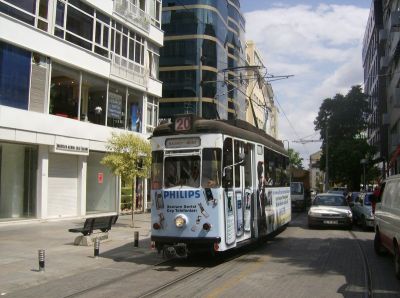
330, 201
367, 199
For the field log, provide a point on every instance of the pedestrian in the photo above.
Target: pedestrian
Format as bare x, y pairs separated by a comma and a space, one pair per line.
375, 197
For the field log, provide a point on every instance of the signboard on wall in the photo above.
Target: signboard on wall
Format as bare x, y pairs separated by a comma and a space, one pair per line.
114, 105
70, 146
100, 178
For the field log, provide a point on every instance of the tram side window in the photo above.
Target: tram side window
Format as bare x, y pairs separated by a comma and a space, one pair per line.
211, 172
156, 170
248, 169
238, 148
227, 171
269, 167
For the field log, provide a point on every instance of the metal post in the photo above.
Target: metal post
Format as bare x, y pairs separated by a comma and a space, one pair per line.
200, 108
326, 160
136, 239
41, 260
96, 248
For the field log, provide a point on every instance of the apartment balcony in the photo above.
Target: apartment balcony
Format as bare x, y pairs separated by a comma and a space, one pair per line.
394, 21
127, 70
132, 14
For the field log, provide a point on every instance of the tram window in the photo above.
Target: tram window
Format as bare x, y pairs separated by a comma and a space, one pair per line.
182, 171
156, 170
269, 165
211, 172
227, 177
238, 148
248, 169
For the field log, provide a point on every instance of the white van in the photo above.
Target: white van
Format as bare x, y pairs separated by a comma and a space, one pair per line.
387, 220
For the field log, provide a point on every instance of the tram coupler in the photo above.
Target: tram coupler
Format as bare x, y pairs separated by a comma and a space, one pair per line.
173, 251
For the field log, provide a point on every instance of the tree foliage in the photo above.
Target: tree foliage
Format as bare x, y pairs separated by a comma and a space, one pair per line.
129, 156
342, 122
295, 159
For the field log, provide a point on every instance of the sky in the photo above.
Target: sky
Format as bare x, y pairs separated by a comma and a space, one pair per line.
320, 44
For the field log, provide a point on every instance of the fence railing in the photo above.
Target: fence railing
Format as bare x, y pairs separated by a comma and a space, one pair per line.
132, 14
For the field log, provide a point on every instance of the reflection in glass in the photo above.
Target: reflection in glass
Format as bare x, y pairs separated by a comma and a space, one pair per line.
64, 91
116, 106
134, 117
93, 99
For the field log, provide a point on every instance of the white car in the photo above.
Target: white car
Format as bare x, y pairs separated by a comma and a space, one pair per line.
330, 210
387, 220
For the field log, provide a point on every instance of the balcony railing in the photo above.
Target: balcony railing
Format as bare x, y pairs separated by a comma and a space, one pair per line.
126, 69
132, 14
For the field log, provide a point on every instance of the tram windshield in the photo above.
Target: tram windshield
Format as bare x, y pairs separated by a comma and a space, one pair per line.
182, 171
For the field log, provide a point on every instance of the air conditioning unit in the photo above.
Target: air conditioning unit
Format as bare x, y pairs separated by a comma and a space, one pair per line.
382, 36
396, 98
394, 21
385, 119
384, 62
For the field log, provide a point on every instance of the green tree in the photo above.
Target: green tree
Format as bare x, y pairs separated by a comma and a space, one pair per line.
129, 156
294, 158
342, 122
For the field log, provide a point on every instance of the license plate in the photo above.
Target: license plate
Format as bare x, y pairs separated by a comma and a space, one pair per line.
331, 222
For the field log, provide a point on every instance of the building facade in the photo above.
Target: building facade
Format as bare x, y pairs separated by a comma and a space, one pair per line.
72, 72
203, 59
260, 107
375, 68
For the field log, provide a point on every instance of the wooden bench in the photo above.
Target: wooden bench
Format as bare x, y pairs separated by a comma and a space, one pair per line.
102, 223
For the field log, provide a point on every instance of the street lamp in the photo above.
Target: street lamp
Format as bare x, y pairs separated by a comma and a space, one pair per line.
363, 162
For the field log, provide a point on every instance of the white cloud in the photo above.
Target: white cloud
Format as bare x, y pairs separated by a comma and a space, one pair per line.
321, 46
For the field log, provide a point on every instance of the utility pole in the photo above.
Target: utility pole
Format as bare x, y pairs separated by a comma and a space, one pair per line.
200, 103
326, 159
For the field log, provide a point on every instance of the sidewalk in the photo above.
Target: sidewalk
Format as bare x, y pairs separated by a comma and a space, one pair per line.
20, 242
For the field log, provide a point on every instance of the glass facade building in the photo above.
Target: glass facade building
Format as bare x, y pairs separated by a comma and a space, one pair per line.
200, 63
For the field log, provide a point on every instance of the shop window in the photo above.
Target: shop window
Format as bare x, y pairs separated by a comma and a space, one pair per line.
116, 106
64, 91
93, 99
134, 112
15, 67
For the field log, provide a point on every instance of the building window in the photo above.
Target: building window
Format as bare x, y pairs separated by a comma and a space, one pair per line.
152, 114
15, 68
134, 113
154, 60
64, 91
155, 12
93, 99
116, 106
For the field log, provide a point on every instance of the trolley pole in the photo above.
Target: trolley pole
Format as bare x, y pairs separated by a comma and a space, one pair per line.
326, 160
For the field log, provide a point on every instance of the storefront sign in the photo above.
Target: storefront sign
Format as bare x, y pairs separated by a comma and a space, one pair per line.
100, 178
71, 148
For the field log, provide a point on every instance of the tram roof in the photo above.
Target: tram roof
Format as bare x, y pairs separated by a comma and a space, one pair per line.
235, 128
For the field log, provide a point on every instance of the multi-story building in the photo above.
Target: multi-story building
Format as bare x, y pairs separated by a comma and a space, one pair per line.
72, 72
316, 175
381, 56
375, 68
202, 63
260, 108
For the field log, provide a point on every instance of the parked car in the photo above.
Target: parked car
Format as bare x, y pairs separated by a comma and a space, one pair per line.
329, 209
387, 220
362, 210
339, 190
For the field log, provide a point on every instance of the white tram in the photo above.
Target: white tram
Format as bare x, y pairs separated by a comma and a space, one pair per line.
216, 185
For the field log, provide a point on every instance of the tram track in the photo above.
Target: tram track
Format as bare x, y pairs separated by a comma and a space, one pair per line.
367, 271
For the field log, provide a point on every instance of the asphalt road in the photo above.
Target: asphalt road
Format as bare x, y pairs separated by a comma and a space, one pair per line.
299, 262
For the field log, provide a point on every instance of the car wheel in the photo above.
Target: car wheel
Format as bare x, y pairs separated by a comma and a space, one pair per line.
363, 223
397, 261
378, 247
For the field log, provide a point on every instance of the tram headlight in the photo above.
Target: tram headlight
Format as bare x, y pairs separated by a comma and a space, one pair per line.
180, 221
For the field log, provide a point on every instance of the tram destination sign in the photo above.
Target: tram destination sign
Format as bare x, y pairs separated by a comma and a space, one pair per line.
182, 142
183, 123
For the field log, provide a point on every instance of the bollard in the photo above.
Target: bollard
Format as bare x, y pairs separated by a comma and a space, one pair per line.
136, 239
96, 247
41, 260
